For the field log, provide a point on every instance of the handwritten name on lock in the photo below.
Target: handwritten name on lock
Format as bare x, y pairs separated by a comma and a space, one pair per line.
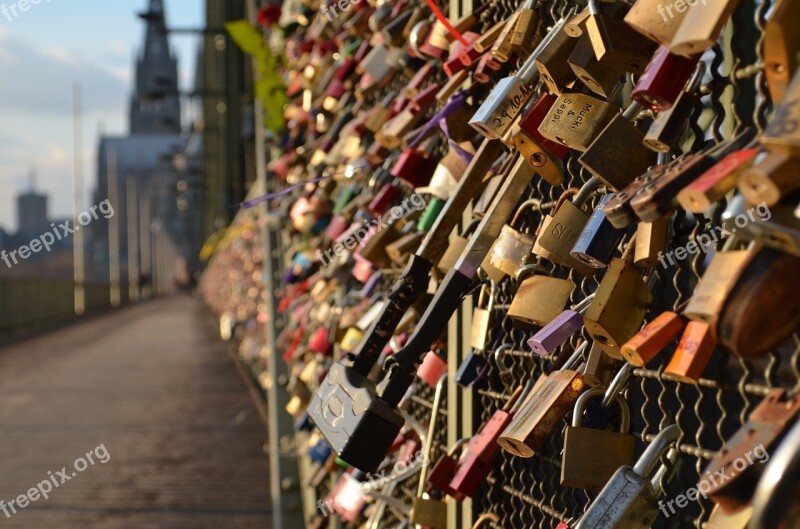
510, 110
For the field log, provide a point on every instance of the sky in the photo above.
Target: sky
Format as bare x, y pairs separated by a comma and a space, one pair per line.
43, 52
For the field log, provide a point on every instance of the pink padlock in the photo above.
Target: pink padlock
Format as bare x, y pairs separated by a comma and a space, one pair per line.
362, 269
432, 368
336, 227
319, 342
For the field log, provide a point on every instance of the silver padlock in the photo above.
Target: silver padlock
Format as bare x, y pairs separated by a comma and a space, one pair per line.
630, 498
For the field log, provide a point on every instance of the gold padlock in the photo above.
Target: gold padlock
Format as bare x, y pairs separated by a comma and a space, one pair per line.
781, 45
552, 62
524, 31
580, 466
481, 319
656, 19
771, 179
560, 236
599, 76
575, 120
539, 299
618, 308
651, 241
618, 156
399, 250
717, 282
701, 27
428, 512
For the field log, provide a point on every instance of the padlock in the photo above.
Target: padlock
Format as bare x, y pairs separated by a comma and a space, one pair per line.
738, 519
415, 166
576, 119
617, 156
664, 79
781, 44
762, 432
651, 242
445, 468
481, 451
433, 366
399, 250
692, 354
552, 62
615, 43
600, 77
770, 179
562, 232
654, 337
481, 319
484, 202
512, 247
471, 370
762, 309
618, 308
373, 249
657, 197
529, 132
715, 183
619, 211
501, 107
670, 126
580, 466
351, 339
539, 299
649, 17
599, 239
428, 512
525, 28
319, 342
629, 499
501, 49
545, 407
701, 27
717, 282
782, 135
559, 329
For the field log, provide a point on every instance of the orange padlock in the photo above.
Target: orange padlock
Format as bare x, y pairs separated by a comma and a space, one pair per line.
693, 353
648, 342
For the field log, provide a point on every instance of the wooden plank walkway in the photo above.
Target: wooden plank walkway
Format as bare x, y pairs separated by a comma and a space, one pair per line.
152, 384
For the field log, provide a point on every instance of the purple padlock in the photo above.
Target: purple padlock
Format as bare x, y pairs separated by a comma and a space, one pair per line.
372, 284
555, 333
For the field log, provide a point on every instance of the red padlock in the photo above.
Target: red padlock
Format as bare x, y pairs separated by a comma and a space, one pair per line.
415, 167
383, 198
531, 121
663, 79
319, 342
481, 452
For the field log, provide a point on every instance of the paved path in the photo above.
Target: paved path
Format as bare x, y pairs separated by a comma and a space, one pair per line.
152, 384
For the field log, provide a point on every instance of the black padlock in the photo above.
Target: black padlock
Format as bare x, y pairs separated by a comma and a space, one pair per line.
599, 238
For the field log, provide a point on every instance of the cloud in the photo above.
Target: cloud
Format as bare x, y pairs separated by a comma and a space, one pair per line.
40, 80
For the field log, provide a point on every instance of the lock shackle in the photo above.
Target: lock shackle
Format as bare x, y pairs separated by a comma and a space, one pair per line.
529, 269
484, 518
496, 354
456, 446
652, 454
528, 204
631, 110
583, 399
618, 384
583, 305
573, 360
665, 471
586, 191
428, 441
594, 9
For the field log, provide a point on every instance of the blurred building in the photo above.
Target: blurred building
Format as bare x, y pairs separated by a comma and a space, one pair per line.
32, 214
142, 175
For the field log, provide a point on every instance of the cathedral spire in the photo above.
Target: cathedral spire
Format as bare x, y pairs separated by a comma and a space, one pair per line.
155, 107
